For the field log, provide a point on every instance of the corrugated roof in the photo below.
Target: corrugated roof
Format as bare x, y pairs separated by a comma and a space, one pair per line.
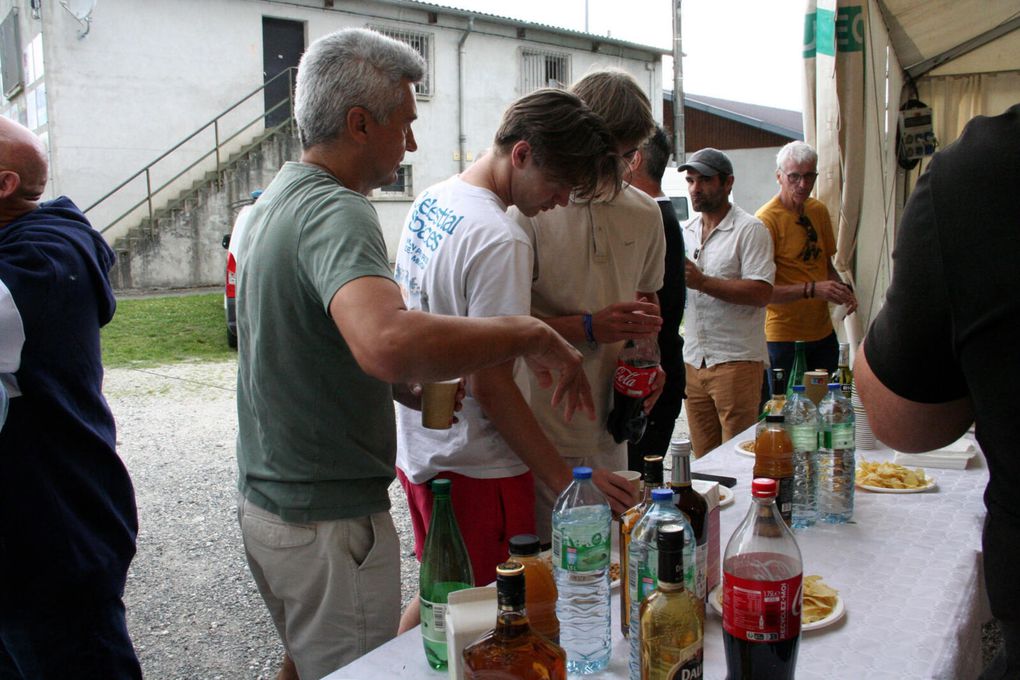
520, 23
779, 121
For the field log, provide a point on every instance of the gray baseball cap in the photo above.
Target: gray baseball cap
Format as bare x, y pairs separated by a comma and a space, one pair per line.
709, 162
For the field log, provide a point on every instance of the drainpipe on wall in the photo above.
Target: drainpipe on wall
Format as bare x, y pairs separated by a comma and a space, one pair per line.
461, 52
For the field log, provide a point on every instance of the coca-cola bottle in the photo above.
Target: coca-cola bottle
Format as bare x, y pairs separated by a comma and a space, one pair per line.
632, 382
762, 575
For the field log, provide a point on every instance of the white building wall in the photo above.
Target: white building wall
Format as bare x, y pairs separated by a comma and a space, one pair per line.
148, 74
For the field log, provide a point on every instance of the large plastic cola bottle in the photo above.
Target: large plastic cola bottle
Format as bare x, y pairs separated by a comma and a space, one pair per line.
835, 461
762, 579
581, 543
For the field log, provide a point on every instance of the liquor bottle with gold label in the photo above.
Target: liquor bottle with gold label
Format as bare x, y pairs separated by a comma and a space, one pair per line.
512, 649
672, 617
652, 479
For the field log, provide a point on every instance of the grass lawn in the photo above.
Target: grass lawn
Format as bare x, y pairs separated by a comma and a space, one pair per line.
160, 330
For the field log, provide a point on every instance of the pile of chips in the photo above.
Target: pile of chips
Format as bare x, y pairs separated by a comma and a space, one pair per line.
890, 476
819, 600
747, 446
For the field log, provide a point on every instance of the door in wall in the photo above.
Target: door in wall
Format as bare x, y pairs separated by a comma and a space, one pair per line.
283, 42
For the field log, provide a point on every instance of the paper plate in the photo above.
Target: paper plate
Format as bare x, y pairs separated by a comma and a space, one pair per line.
745, 448
726, 496
838, 611
920, 489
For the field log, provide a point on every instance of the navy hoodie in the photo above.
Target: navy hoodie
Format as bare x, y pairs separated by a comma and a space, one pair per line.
67, 509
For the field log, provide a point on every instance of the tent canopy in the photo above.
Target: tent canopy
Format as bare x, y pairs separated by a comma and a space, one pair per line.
866, 58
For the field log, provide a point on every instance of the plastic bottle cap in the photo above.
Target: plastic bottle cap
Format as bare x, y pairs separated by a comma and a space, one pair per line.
582, 472
798, 388
775, 418
440, 486
525, 544
763, 487
662, 494
835, 386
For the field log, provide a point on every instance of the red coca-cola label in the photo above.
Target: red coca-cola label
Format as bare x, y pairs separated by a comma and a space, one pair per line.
761, 611
634, 381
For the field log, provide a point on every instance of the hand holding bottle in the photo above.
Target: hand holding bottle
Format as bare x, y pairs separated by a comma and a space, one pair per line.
625, 321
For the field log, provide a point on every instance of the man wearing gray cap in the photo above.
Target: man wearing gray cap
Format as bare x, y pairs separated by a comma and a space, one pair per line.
730, 271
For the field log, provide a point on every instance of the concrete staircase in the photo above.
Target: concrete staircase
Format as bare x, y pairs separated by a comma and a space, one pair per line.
181, 247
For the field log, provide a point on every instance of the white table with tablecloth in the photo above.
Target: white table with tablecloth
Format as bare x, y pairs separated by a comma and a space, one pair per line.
908, 568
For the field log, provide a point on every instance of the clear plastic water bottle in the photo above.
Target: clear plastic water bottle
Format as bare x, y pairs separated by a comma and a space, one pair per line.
643, 563
802, 424
581, 542
835, 466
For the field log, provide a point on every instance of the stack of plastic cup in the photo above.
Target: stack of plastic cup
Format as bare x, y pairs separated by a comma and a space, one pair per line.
864, 438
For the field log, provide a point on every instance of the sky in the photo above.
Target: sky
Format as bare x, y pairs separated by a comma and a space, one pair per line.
744, 50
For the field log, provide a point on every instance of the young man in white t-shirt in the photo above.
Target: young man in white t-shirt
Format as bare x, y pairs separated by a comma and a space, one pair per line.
461, 255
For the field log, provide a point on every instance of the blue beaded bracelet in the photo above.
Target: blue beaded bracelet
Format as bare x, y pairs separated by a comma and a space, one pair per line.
589, 333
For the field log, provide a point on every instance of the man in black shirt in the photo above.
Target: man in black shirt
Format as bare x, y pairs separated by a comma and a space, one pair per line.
647, 168
943, 352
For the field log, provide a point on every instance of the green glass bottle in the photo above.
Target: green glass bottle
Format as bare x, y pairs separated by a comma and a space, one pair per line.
796, 376
445, 567
843, 375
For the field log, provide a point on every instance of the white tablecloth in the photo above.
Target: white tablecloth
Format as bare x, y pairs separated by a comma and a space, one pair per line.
908, 568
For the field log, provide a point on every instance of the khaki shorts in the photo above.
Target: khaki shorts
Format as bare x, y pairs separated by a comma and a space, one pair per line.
332, 588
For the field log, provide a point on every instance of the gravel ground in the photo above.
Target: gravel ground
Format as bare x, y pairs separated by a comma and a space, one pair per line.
193, 609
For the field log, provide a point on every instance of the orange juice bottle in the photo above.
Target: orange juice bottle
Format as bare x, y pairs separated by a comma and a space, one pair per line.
773, 458
540, 591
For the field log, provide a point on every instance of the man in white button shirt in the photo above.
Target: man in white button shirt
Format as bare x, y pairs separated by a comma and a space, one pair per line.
730, 271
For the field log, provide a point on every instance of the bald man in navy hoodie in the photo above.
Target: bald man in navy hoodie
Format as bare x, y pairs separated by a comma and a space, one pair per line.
67, 508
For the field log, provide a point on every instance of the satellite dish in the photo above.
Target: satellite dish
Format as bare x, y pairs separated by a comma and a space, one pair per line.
81, 9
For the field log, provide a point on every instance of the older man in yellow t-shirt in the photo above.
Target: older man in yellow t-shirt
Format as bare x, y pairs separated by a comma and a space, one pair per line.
806, 280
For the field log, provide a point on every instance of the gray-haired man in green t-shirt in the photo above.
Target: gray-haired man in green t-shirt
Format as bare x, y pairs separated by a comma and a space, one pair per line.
322, 335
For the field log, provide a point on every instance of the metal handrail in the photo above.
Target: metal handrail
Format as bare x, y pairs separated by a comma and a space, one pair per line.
218, 145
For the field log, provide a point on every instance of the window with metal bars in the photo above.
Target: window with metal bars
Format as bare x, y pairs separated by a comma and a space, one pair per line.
422, 44
402, 188
543, 69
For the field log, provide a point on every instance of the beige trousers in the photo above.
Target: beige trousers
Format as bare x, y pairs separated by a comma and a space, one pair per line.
722, 401
332, 588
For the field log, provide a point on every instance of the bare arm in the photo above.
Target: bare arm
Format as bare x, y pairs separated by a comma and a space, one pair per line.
832, 289
906, 425
751, 292
400, 346
497, 393
616, 322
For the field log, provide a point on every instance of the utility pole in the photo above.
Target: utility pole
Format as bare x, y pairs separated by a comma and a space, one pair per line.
679, 141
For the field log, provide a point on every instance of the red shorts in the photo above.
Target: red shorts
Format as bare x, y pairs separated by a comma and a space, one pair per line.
489, 512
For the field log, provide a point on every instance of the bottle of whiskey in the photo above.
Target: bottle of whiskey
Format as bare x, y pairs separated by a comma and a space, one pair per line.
672, 618
512, 649
691, 503
652, 479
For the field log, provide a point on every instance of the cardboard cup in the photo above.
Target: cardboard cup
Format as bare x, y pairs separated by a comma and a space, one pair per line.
631, 476
437, 402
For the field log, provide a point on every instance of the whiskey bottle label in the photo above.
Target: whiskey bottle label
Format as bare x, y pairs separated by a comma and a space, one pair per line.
692, 666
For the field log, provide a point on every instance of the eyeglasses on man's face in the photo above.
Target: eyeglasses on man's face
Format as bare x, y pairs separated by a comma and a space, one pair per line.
797, 178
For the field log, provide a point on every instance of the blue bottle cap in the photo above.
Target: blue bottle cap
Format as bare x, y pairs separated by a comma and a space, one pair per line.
582, 472
835, 386
662, 494
798, 388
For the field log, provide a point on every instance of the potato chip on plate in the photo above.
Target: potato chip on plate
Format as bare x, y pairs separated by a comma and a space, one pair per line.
888, 477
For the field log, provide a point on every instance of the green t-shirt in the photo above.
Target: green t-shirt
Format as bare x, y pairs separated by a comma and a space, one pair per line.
316, 436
